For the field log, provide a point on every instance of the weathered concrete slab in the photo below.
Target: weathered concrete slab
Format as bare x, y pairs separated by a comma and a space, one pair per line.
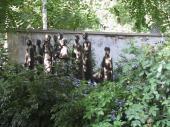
116, 41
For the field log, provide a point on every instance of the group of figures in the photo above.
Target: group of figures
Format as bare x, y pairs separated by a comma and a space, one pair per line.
47, 54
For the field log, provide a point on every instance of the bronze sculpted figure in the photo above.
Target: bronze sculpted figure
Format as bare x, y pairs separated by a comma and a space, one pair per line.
81, 57
87, 63
149, 122
29, 55
64, 57
60, 40
57, 47
77, 56
64, 50
47, 50
107, 66
39, 52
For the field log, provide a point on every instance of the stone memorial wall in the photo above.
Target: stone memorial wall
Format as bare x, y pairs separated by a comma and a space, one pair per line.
116, 41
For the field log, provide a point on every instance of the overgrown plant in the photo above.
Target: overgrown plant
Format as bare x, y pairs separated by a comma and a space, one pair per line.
26, 97
144, 14
146, 76
138, 98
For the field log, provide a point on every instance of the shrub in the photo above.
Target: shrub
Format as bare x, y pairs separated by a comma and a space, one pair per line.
138, 96
27, 97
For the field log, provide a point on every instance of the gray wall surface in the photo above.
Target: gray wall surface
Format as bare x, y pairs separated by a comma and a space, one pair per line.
116, 41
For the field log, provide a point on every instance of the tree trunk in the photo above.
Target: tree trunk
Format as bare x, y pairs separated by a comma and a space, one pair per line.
44, 14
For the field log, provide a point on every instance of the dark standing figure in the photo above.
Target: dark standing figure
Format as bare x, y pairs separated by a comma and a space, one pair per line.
107, 66
47, 50
149, 122
34, 47
97, 77
63, 57
87, 62
39, 52
64, 50
29, 55
78, 61
60, 40
57, 47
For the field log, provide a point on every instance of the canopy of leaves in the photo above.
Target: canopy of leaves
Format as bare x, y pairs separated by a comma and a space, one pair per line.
62, 14
71, 15
145, 13
20, 14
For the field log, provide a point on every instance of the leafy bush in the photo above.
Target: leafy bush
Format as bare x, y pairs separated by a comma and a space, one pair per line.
147, 77
27, 97
140, 94
87, 106
144, 14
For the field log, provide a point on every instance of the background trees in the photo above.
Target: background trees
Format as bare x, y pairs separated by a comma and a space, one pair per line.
79, 14
145, 13
62, 14
140, 92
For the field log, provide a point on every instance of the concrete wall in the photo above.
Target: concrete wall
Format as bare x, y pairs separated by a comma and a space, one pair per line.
116, 41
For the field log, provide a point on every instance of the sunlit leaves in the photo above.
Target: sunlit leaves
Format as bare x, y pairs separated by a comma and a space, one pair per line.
146, 13
71, 15
62, 14
150, 85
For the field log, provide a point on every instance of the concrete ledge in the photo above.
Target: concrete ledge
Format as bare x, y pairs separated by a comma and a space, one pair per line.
107, 34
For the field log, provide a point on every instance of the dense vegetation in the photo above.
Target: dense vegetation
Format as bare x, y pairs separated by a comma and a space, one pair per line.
78, 14
144, 14
62, 14
139, 93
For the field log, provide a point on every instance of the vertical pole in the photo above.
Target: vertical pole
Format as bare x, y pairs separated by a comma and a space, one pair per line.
44, 14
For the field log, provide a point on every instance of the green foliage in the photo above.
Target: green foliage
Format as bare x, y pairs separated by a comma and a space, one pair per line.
17, 14
141, 92
27, 97
102, 102
145, 13
61, 14
90, 106
147, 77
66, 14
123, 16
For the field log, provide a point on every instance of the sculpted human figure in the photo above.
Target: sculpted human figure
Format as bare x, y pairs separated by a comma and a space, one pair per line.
64, 50
77, 57
29, 55
107, 66
47, 37
87, 63
97, 77
47, 50
64, 57
149, 122
39, 52
60, 39
57, 47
